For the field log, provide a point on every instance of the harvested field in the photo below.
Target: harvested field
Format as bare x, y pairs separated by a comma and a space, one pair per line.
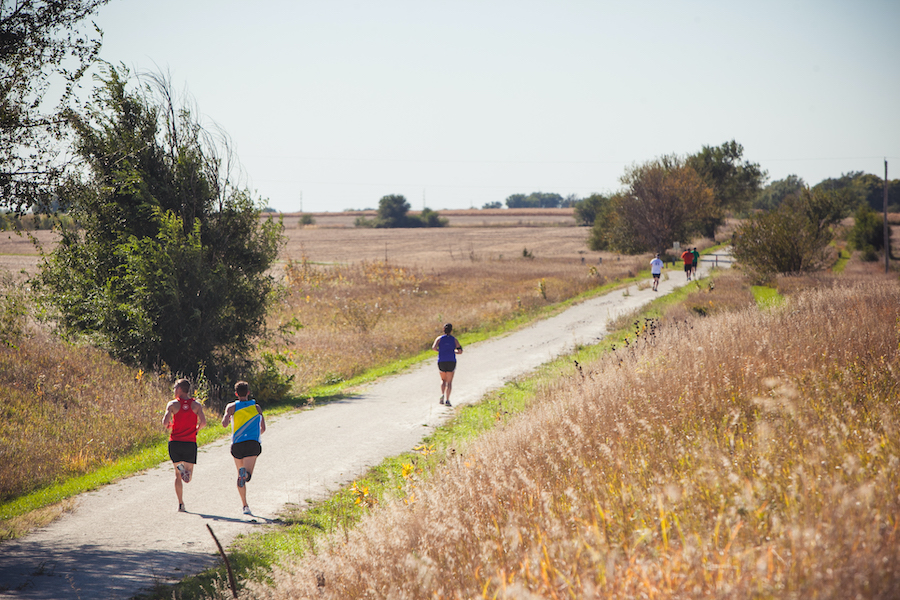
17, 252
430, 247
469, 239
493, 217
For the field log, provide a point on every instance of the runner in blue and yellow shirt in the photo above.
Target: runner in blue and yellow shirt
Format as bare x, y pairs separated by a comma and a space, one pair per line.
247, 426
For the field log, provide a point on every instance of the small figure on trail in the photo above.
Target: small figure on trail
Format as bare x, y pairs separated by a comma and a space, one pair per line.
248, 425
695, 262
656, 266
447, 348
688, 257
185, 417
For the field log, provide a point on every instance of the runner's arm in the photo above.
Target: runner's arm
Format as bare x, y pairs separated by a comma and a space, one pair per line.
226, 418
167, 418
201, 416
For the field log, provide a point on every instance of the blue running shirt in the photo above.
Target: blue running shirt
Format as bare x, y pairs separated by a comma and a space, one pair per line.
447, 348
246, 421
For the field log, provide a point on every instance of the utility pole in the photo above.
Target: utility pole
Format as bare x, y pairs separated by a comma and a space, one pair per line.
887, 230
301, 201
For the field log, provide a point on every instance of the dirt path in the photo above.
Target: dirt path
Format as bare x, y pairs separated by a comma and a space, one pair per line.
128, 536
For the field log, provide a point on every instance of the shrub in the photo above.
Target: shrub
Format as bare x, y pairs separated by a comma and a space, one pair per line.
867, 233
793, 238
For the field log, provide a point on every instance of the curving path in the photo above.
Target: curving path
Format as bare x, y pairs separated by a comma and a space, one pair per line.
127, 536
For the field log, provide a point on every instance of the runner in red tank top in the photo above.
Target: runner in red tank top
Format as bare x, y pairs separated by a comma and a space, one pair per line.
184, 416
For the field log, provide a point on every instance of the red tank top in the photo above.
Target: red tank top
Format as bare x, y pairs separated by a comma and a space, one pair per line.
184, 423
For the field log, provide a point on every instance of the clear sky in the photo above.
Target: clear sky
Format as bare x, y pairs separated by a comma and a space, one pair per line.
455, 104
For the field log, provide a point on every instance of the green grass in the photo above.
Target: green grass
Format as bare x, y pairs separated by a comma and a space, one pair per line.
841, 264
766, 297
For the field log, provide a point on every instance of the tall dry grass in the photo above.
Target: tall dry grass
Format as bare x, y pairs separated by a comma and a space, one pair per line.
754, 454
67, 410
337, 321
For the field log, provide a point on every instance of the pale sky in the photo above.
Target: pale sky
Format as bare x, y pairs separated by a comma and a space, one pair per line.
455, 104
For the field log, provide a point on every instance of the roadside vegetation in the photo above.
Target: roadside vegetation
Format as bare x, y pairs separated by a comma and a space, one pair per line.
765, 469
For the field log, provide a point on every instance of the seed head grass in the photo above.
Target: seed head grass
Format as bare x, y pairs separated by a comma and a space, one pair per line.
750, 453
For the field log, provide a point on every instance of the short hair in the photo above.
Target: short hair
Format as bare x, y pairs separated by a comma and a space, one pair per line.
184, 385
448, 328
242, 388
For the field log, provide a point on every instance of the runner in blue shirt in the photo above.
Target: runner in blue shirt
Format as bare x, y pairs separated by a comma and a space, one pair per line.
447, 348
247, 424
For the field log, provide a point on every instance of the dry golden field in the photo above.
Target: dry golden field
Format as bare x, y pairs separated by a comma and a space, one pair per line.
356, 298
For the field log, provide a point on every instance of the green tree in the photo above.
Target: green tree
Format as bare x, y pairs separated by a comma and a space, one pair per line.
858, 186
534, 200
170, 265
41, 42
774, 194
431, 218
665, 201
493, 205
611, 230
867, 233
518, 201
393, 213
735, 182
586, 210
792, 238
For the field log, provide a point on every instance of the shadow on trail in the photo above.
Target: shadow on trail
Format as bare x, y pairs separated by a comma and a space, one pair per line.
251, 519
88, 572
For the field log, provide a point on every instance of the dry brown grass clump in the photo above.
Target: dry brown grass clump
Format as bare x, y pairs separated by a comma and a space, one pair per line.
754, 454
339, 320
67, 410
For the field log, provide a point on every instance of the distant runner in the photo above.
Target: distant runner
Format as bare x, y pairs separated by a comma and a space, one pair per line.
185, 417
695, 262
656, 266
447, 348
248, 425
688, 257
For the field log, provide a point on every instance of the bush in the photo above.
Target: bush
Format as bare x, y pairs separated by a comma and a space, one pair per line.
393, 213
867, 234
793, 238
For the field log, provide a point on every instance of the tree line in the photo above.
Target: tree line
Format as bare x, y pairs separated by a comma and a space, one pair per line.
787, 227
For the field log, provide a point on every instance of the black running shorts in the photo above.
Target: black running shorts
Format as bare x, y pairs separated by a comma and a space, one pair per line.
447, 366
245, 449
183, 452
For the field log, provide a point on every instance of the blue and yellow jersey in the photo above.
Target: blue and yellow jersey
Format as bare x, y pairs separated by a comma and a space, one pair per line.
245, 422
